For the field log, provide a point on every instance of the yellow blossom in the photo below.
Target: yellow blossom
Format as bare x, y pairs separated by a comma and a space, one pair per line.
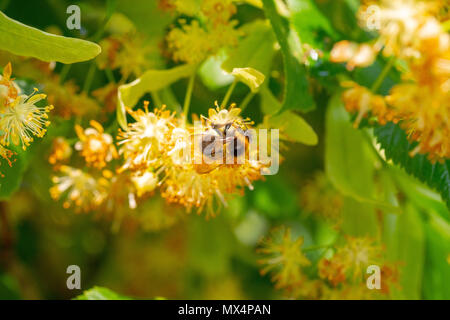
21, 120
143, 142
128, 52
60, 152
350, 260
8, 88
95, 145
353, 54
79, 188
218, 11
319, 197
285, 259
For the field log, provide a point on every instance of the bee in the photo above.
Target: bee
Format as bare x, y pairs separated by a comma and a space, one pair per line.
225, 137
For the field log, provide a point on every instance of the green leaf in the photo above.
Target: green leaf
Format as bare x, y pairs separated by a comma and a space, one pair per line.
358, 218
307, 20
405, 243
212, 74
296, 90
152, 80
437, 275
24, 40
13, 175
100, 293
349, 159
269, 103
396, 146
293, 128
256, 50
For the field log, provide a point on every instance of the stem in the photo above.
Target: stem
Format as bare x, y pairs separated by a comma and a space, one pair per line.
64, 72
187, 98
377, 84
156, 98
314, 248
246, 100
89, 78
228, 94
110, 75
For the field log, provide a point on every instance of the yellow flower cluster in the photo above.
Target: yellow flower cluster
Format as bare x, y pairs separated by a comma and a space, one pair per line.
159, 150
319, 197
338, 277
65, 96
127, 52
193, 42
411, 32
20, 119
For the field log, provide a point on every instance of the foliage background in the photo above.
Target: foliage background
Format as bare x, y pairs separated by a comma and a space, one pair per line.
197, 258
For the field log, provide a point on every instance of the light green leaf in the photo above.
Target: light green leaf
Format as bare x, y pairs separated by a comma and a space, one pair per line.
152, 80
437, 275
293, 128
349, 159
251, 77
269, 103
100, 293
24, 40
212, 74
296, 89
404, 237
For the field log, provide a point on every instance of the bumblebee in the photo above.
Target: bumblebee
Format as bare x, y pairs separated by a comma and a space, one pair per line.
225, 137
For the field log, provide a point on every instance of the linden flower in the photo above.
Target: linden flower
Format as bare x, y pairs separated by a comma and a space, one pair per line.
397, 23
22, 119
8, 88
218, 11
191, 43
144, 183
185, 186
354, 54
60, 152
69, 103
82, 190
285, 258
95, 146
193, 179
143, 142
360, 100
121, 192
320, 198
350, 259
128, 52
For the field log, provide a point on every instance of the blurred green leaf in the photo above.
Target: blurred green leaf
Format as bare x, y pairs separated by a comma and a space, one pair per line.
349, 160
12, 179
255, 50
308, 20
23, 40
437, 275
297, 94
405, 243
100, 293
